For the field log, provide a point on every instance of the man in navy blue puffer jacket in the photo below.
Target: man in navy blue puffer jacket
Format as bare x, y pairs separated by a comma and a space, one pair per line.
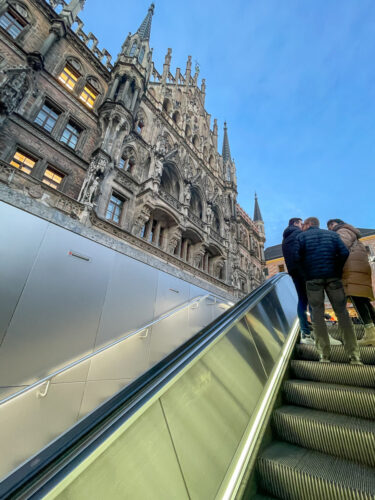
289, 252
322, 255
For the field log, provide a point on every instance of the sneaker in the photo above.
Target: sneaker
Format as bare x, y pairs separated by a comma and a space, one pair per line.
324, 359
333, 341
355, 360
307, 339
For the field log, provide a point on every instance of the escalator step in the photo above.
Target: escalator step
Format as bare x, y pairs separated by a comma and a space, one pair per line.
309, 352
345, 437
296, 473
334, 373
353, 401
263, 497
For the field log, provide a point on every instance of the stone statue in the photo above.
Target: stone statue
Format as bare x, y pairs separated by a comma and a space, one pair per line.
187, 196
13, 91
209, 215
94, 175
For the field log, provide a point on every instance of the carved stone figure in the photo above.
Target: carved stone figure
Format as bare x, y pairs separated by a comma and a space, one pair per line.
93, 177
187, 195
13, 91
209, 215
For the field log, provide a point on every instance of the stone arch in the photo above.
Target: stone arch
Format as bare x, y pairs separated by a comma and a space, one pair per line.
167, 105
160, 228
176, 117
171, 180
196, 142
190, 245
128, 160
197, 201
188, 131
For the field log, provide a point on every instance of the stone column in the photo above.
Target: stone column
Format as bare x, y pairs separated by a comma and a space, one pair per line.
156, 234
135, 96
124, 91
113, 87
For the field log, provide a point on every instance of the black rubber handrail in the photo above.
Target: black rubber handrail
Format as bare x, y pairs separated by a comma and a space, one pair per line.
63, 454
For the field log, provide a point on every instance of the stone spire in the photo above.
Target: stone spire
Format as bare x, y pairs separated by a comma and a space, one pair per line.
257, 215
144, 30
226, 150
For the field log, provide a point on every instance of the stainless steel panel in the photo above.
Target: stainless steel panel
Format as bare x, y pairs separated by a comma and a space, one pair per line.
130, 299
57, 317
138, 463
128, 359
21, 237
25, 430
171, 292
208, 408
98, 391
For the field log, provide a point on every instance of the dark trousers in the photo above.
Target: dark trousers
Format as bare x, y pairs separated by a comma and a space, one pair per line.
300, 285
364, 309
335, 291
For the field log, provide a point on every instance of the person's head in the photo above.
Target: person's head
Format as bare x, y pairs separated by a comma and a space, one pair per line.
332, 223
296, 221
310, 222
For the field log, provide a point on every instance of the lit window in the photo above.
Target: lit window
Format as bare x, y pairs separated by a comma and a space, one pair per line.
12, 23
88, 96
281, 268
23, 161
70, 135
52, 177
69, 77
47, 117
114, 208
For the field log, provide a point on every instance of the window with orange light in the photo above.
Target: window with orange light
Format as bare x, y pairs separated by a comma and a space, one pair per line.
88, 96
23, 161
69, 77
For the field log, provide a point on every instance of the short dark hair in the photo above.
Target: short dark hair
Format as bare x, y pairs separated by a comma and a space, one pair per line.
294, 220
313, 221
337, 221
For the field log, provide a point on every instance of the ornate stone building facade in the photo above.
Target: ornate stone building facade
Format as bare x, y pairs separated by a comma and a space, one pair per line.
121, 147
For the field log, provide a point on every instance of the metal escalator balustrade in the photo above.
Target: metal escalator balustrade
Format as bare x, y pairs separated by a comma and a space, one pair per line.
35, 415
178, 430
323, 443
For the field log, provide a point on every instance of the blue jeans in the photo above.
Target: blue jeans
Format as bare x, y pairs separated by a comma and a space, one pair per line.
303, 302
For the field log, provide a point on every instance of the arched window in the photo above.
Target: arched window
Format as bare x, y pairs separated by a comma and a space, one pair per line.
188, 131
196, 203
169, 182
176, 117
141, 55
215, 221
127, 161
195, 141
133, 49
167, 106
228, 174
211, 161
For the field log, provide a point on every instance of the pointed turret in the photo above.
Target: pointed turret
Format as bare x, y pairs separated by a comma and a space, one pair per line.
258, 217
144, 30
257, 214
226, 149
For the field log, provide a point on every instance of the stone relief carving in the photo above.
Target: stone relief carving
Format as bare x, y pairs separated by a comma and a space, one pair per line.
13, 91
94, 176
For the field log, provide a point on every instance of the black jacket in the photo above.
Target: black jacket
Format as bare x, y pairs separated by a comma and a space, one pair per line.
289, 247
321, 253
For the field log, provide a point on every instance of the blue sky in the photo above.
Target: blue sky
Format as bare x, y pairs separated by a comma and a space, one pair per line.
295, 80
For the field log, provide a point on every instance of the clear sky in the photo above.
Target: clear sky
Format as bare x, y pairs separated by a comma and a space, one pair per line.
295, 80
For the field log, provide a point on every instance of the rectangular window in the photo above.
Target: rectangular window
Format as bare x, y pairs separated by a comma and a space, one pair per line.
23, 161
70, 135
47, 117
88, 96
114, 208
281, 268
52, 177
69, 77
12, 23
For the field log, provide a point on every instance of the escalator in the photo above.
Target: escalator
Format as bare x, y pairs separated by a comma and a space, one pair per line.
239, 411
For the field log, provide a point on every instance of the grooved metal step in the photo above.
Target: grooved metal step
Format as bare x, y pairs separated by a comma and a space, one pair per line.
345, 437
334, 373
338, 355
335, 332
294, 473
352, 401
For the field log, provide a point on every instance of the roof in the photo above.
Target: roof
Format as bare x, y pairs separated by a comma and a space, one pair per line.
274, 252
144, 30
257, 214
366, 232
226, 150
241, 212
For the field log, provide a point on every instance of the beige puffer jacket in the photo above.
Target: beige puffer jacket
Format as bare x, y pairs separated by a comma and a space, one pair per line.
356, 274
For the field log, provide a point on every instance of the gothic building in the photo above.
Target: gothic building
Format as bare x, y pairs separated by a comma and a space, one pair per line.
120, 147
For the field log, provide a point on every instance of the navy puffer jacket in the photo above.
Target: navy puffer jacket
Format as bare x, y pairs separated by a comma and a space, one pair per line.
289, 247
321, 253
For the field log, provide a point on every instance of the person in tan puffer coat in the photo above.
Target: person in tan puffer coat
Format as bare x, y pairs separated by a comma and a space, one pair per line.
356, 277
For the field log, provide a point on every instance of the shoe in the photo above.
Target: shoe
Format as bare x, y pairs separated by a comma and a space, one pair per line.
324, 359
355, 360
369, 336
311, 328
333, 341
307, 339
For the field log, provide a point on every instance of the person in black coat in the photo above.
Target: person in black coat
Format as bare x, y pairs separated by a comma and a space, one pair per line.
322, 255
289, 246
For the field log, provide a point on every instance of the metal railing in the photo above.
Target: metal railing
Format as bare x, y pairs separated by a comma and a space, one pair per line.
47, 379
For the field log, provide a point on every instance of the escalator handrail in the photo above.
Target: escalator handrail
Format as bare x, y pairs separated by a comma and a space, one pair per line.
63, 453
47, 379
